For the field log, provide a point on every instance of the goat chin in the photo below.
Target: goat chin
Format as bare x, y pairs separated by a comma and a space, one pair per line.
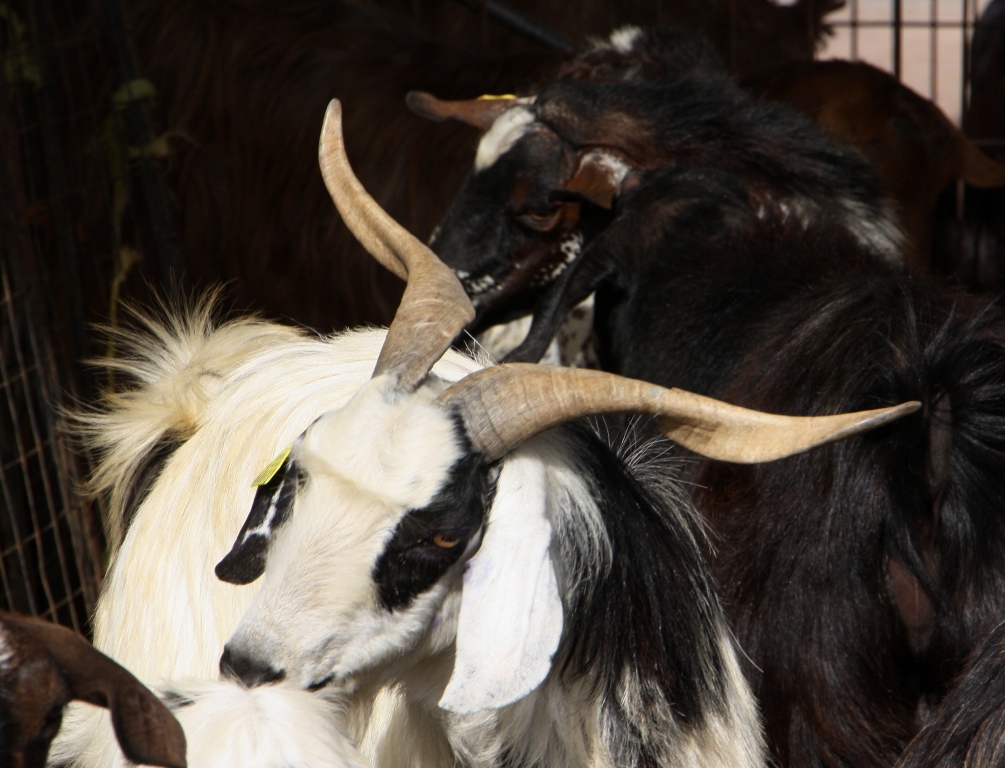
229, 725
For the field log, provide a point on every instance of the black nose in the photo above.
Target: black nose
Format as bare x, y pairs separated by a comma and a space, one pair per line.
248, 670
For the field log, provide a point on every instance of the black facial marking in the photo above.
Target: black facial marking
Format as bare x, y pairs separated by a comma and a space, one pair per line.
417, 554
246, 560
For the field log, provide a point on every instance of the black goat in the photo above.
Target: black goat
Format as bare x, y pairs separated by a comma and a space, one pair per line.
968, 730
241, 85
735, 251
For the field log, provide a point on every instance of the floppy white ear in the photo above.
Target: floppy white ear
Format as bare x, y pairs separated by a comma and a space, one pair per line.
510, 619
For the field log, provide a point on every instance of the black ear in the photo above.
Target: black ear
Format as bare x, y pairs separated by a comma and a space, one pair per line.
246, 560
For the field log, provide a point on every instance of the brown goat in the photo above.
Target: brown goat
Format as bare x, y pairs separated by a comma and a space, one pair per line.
916, 150
44, 666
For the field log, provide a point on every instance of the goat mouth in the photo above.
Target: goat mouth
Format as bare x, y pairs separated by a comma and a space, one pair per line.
499, 297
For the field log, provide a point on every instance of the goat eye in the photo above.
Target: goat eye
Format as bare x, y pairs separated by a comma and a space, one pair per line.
542, 220
445, 541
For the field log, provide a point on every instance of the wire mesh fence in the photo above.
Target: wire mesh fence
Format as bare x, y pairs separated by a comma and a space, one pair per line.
55, 262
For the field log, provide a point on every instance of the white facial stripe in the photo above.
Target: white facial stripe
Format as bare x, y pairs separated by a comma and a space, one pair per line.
506, 131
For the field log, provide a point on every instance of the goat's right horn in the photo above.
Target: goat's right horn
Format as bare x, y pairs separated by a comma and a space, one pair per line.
435, 307
505, 405
480, 112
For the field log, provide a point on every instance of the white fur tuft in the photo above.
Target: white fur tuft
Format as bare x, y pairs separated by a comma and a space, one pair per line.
623, 40
170, 368
227, 725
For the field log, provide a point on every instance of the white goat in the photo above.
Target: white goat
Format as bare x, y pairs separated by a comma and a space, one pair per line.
465, 584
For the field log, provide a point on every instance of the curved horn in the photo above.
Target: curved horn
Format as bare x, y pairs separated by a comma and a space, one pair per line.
435, 307
506, 405
480, 112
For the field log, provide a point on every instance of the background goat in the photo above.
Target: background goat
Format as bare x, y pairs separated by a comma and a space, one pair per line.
736, 252
415, 465
238, 84
43, 666
918, 153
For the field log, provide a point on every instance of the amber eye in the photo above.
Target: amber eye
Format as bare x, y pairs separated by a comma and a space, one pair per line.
541, 220
445, 541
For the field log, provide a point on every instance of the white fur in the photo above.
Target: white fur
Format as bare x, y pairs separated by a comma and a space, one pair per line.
623, 40
507, 130
883, 234
7, 654
227, 725
398, 449
510, 618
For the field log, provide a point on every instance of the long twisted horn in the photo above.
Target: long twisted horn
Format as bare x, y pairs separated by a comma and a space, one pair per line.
506, 405
435, 307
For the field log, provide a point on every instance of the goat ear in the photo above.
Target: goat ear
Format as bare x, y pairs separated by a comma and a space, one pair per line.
147, 731
246, 560
510, 619
598, 178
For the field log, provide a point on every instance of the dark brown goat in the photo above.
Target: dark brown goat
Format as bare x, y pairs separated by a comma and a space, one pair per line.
241, 85
917, 152
974, 229
43, 667
735, 251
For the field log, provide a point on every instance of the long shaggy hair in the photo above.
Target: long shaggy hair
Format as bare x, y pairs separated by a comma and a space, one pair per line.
861, 575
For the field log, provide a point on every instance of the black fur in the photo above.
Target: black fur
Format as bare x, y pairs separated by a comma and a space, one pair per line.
654, 613
412, 561
273, 503
968, 730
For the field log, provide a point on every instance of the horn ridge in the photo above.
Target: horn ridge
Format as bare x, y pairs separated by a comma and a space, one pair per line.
505, 405
434, 308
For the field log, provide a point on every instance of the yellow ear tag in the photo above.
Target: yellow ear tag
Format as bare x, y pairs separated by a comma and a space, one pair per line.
490, 97
270, 471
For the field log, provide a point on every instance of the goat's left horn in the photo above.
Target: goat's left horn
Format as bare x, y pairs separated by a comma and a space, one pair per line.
505, 405
435, 307
480, 112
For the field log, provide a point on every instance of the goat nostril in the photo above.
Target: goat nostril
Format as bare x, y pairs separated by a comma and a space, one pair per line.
247, 670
